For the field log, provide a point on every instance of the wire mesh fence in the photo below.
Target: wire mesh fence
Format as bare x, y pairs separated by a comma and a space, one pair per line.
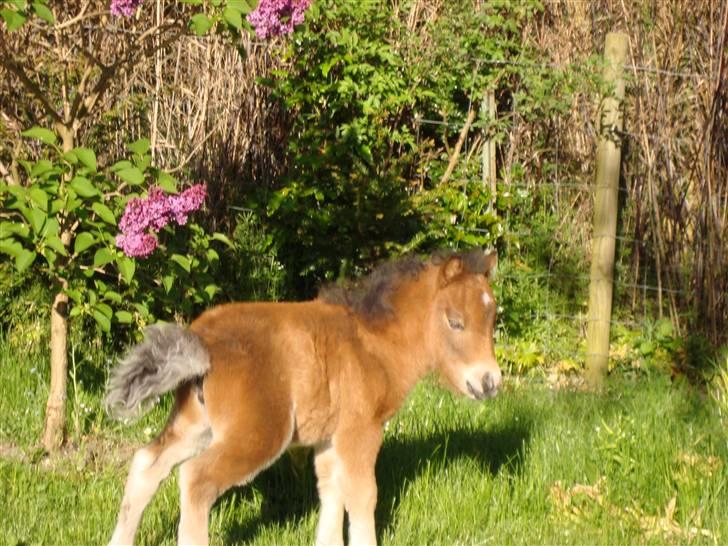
543, 315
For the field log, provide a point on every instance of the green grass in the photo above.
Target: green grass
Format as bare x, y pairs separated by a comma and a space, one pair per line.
644, 463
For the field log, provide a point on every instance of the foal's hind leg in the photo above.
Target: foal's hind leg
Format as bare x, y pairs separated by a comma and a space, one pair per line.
249, 436
186, 433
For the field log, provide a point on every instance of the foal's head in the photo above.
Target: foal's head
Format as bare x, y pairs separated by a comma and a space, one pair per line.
462, 324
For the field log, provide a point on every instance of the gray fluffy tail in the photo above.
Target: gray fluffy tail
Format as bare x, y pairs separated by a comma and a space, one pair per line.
168, 356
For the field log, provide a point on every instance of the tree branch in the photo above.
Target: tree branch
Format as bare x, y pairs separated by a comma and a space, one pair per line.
29, 85
461, 140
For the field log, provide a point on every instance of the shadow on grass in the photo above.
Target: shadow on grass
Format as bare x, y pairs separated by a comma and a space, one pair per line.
289, 497
402, 461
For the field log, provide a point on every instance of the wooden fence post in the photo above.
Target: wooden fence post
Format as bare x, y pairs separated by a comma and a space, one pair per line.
488, 111
605, 211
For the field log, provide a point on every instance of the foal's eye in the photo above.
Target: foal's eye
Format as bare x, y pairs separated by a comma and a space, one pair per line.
455, 323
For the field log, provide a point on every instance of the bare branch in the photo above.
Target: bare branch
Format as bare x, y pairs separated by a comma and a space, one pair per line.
30, 85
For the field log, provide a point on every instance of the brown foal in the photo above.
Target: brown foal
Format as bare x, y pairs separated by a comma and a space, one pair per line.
252, 379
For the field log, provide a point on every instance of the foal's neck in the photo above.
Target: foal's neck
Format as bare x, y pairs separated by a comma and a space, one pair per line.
403, 341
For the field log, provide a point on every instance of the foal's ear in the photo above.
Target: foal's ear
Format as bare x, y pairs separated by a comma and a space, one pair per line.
451, 269
490, 262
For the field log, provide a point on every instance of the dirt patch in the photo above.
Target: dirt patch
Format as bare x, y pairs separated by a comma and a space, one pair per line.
92, 454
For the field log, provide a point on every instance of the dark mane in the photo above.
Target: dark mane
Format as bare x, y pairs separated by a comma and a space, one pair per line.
370, 296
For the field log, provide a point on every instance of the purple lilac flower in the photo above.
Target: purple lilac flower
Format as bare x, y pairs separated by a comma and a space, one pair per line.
127, 8
142, 214
145, 216
189, 200
276, 17
137, 245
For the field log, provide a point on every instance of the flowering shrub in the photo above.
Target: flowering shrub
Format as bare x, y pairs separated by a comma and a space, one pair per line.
277, 17
270, 18
62, 222
144, 216
127, 8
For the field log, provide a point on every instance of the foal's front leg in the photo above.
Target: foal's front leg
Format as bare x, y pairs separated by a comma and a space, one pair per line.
330, 530
357, 450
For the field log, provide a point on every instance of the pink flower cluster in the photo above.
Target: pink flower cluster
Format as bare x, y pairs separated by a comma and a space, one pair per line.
276, 17
127, 8
144, 217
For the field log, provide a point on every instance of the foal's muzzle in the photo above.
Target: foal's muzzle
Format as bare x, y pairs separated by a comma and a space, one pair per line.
488, 387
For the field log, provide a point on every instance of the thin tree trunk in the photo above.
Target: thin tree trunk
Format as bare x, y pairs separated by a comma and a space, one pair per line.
55, 418
54, 431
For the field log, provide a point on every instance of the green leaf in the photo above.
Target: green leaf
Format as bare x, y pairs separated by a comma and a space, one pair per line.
39, 197
83, 241
11, 247
168, 283
664, 329
24, 260
40, 167
13, 228
132, 175
102, 257
647, 348
223, 239
43, 12
211, 290
124, 317
142, 162
18, 192
86, 156
13, 19
233, 17
104, 212
126, 268
182, 261
240, 5
56, 206
84, 187
119, 165
167, 182
20, 5
200, 24
51, 227
75, 296
140, 146
105, 309
102, 320
112, 296
37, 219
39, 133
54, 241
73, 203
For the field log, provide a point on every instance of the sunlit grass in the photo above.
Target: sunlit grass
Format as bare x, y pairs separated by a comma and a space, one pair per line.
643, 463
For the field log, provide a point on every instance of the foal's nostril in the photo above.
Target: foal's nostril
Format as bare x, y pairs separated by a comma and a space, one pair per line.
490, 382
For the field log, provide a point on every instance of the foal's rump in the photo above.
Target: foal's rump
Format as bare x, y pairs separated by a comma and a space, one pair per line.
168, 356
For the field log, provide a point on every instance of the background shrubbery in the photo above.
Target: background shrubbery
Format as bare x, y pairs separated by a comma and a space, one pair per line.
360, 137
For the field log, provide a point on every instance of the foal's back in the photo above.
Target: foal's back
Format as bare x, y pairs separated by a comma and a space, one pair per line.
300, 358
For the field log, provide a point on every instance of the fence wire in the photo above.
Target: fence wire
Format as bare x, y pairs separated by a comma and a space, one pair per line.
552, 312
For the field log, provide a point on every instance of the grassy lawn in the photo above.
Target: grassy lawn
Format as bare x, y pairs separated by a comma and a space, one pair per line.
645, 463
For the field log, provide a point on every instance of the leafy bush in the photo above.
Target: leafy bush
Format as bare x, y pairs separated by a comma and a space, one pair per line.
356, 83
252, 270
344, 196
62, 225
